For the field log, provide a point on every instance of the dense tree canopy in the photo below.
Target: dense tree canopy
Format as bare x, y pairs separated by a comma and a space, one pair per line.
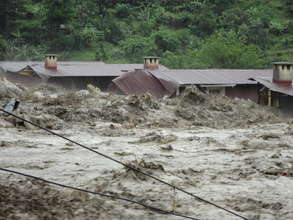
185, 33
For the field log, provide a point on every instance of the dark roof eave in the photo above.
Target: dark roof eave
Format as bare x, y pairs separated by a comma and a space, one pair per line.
286, 90
73, 76
220, 84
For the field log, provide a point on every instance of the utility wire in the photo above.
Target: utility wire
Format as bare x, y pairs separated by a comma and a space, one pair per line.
152, 208
126, 165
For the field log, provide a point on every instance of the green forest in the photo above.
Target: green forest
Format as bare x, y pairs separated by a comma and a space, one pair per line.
184, 33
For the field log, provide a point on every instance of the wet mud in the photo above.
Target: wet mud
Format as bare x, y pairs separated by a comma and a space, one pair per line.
232, 152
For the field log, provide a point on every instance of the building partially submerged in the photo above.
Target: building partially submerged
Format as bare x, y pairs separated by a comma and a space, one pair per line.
230, 82
277, 90
68, 74
269, 86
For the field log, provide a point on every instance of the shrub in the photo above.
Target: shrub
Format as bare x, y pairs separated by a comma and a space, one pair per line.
171, 40
229, 50
90, 36
15, 51
137, 47
188, 60
122, 10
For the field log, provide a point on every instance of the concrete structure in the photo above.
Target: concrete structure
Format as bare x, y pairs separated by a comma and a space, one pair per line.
51, 61
151, 63
277, 90
283, 73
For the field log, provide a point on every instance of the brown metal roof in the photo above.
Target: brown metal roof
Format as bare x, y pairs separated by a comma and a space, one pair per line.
216, 76
12, 66
67, 68
141, 81
169, 83
74, 68
267, 82
181, 77
135, 66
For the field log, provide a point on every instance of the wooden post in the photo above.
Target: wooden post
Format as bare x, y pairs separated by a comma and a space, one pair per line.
269, 97
277, 100
178, 91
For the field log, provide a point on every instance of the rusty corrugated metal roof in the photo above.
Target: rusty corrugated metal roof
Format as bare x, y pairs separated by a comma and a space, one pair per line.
142, 81
267, 82
216, 76
169, 83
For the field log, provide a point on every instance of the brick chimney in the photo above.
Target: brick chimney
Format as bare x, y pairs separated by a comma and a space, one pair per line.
151, 63
51, 61
283, 73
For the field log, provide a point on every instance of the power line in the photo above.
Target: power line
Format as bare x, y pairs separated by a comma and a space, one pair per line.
152, 208
126, 165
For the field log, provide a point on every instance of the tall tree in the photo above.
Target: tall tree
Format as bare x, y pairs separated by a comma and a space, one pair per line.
8, 15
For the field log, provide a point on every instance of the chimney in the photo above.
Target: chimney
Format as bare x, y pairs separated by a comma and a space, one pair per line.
283, 73
151, 63
51, 61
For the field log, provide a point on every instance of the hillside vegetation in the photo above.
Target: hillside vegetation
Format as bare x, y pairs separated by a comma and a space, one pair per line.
184, 33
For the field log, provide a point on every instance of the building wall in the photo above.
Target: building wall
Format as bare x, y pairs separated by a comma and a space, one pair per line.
243, 92
102, 82
216, 90
285, 104
263, 96
28, 80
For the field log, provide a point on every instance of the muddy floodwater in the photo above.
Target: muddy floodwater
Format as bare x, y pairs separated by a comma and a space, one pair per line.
233, 153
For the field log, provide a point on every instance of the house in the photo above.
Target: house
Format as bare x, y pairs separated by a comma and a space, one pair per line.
261, 86
277, 90
230, 82
68, 74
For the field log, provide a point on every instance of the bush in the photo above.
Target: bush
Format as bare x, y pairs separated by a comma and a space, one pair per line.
137, 47
188, 60
90, 36
170, 40
229, 50
101, 53
15, 51
166, 40
122, 10
112, 30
